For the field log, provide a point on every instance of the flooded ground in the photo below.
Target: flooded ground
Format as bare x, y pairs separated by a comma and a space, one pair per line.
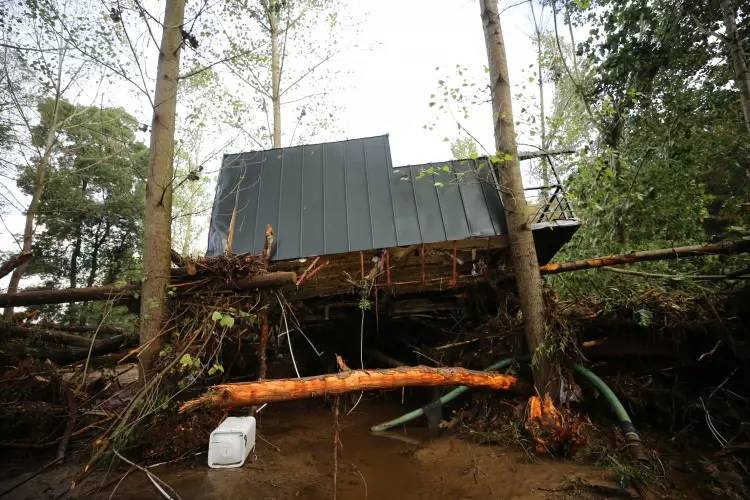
294, 459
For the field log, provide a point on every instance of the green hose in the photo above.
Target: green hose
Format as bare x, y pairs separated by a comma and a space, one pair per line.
614, 403
408, 417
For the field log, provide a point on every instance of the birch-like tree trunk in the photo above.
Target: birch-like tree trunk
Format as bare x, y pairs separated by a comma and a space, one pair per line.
737, 53
36, 197
273, 24
544, 160
158, 216
521, 238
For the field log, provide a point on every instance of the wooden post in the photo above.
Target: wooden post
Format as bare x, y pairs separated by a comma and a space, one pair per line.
520, 236
262, 343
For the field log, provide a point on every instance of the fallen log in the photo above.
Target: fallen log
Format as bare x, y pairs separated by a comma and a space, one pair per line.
724, 247
64, 354
230, 396
100, 329
121, 292
59, 337
12, 263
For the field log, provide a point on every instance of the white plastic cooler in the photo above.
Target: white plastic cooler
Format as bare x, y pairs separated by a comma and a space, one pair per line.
231, 442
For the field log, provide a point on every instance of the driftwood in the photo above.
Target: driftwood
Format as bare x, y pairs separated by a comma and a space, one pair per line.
117, 292
230, 396
12, 263
724, 247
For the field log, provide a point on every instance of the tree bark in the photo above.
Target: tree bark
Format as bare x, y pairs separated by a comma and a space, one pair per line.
520, 236
117, 292
737, 54
273, 24
158, 216
230, 396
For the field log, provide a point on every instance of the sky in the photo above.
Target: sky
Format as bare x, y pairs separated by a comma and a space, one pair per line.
387, 69
394, 72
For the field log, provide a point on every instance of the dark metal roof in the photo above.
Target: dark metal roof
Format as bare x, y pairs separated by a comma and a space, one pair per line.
346, 196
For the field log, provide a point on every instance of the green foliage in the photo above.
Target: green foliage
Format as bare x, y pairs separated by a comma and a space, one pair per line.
90, 217
463, 148
648, 100
225, 320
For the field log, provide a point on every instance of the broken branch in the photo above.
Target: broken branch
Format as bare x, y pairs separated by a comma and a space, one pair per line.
12, 263
724, 247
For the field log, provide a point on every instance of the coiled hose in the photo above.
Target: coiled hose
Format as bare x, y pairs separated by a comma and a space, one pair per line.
626, 424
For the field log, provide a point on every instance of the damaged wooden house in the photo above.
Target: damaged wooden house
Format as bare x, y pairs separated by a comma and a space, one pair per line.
344, 219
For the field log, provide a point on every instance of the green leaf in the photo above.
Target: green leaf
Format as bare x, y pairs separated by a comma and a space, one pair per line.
227, 321
186, 360
216, 316
216, 368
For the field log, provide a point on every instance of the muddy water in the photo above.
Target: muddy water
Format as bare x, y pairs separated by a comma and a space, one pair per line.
294, 459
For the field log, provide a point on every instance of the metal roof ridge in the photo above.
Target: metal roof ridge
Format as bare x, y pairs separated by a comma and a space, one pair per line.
386, 135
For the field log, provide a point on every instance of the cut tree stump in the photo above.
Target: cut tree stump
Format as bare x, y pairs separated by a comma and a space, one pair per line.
230, 396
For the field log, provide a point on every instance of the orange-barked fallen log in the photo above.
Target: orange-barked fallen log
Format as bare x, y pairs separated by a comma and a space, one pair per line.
230, 396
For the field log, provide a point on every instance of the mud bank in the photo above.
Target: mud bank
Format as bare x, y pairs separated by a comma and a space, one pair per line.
294, 459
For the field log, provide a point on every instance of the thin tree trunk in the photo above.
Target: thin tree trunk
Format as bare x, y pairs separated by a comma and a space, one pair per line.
87, 307
737, 53
188, 235
265, 391
544, 161
73, 269
158, 216
724, 247
521, 240
36, 197
41, 173
273, 23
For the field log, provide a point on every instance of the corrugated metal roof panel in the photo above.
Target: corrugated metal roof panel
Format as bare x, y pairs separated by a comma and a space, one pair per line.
346, 196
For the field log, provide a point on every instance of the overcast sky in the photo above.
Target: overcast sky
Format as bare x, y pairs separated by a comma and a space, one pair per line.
387, 72
393, 74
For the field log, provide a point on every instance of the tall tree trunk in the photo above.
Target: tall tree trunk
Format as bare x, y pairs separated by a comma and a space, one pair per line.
521, 240
36, 197
737, 53
273, 24
158, 216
